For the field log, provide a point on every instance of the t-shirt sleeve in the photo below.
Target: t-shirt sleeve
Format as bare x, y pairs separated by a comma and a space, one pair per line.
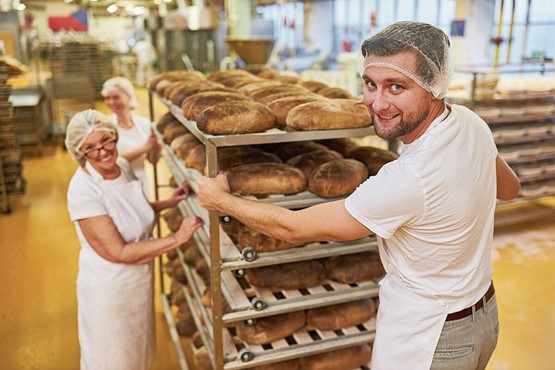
387, 201
84, 199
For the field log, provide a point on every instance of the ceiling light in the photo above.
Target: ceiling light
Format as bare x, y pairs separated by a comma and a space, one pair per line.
21, 7
112, 8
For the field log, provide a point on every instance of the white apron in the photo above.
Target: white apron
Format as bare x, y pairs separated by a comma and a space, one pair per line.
408, 328
115, 301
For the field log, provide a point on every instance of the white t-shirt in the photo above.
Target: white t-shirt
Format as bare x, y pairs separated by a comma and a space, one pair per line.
432, 210
131, 138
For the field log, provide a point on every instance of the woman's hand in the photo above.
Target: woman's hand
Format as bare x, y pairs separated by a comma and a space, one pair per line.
179, 194
210, 190
188, 226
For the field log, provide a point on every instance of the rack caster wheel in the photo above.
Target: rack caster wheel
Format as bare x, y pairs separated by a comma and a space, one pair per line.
258, 304
239, 273
225, 220
245, 355
249, 322
249, 254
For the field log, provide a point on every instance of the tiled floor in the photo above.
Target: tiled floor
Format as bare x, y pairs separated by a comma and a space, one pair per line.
38, 260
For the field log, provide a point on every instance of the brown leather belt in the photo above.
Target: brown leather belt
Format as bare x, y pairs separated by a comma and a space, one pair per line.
468, 311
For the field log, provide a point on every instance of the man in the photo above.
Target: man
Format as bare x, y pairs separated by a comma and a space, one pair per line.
432, 209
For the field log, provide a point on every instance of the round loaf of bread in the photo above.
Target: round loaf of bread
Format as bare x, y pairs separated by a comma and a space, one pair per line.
183, 144
340, 145
250, 87
193, 106
173, 218
236, 117
181, 93
227, 162
263, 179
373, 158
314, 86
201, 359
218, 76
281, 365
271, 328
282, 106
196, 158
336, 93
341, 359
341, 315
353, 268
287, 151
231, 228
165, 78
248, 237
329, 114
166, 120
265, 91
294, 275
171, 132
308, 162
337, 178
185, 324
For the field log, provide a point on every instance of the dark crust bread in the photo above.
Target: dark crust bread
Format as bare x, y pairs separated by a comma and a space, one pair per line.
337, 178
271, 328
341, 315
248, 237
294, 275
283, 105
308, 162
282, 365
341, 359
287, 151
266, 178
236, 117
193, 105
353, 268
329, 114
373, 158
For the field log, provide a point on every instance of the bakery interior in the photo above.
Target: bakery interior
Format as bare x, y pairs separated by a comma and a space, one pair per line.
56, 55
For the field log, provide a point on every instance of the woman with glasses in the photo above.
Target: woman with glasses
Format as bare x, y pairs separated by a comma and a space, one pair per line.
114, 221
136, 140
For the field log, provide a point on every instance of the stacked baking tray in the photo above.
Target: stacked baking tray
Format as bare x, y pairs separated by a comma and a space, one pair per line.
227, 265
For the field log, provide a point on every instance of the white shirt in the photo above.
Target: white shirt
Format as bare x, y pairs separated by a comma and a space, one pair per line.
432, 210
131, 138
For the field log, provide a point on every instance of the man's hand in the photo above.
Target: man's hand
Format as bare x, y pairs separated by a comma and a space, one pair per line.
210, 191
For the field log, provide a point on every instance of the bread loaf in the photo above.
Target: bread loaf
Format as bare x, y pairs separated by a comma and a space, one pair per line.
354, 268
249, 88
263, 179
314, 86
373, 158
342, 315
329, 114
282, 365
202, 360
341, 359
236, 117
248, 237
193, 106
173, 218
166, 120
337, 178
272, 328
250, 157
265, 91
171, 132
283, 105
231, 228
289, 150
336, 93
181, 93
185, 324
341, 145
310, 161
183, 144
294, 275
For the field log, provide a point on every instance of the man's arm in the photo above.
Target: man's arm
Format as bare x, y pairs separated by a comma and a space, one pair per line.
324, 222
508, 184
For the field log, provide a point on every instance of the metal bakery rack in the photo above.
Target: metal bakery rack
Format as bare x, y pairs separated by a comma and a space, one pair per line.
227, 265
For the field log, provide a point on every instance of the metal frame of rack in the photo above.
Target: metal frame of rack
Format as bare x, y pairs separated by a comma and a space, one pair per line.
227, 263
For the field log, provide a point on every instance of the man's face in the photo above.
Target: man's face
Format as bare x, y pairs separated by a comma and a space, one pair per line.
399, 105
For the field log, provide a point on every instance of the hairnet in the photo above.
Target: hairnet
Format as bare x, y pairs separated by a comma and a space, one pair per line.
81, 125
123, 85
433, 71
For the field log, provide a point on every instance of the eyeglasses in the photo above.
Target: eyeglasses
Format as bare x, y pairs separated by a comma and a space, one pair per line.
94, 153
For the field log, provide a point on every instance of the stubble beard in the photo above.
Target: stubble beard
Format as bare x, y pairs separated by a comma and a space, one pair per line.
405, 126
